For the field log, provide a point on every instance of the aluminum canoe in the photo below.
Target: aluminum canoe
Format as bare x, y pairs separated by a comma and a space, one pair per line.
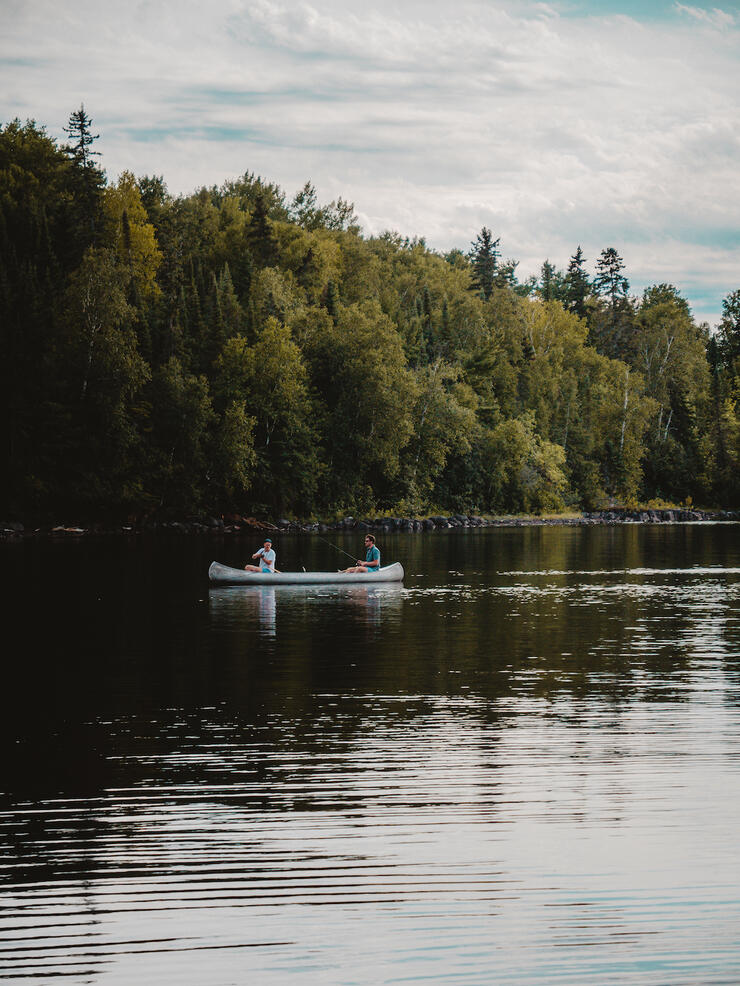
237, 576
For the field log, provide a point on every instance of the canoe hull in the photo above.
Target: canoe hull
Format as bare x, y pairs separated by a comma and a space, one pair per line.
222, 574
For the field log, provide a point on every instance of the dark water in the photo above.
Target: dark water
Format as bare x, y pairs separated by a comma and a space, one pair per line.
523, 766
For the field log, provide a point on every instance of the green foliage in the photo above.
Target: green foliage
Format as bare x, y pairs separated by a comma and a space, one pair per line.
234, 455
669, 350
270, 379
722, 452
728, 337
182, 421
444, 421
359, 374
525, 473
234, 349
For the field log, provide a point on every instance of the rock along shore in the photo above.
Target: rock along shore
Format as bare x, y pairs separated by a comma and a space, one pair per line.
236, 524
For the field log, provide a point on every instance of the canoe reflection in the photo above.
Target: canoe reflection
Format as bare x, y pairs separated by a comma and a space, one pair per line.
238, 606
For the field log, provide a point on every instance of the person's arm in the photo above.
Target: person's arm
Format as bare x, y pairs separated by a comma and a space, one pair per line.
258, 553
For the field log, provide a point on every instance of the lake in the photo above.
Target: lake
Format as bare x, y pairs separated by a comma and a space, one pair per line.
521, 766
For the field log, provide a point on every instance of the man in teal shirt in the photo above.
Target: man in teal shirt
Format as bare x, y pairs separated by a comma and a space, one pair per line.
372, 559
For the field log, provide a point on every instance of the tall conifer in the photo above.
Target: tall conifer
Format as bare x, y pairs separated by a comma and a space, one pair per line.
577, 286
88, 177
484, 256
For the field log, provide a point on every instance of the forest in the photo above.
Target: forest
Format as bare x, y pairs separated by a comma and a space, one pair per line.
238, 350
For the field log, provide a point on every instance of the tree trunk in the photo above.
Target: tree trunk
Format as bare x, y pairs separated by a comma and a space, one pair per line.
626, 403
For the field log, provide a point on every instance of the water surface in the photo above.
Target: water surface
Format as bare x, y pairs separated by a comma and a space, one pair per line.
520, 766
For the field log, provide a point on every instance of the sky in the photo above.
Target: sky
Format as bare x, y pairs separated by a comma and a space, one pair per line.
558, 124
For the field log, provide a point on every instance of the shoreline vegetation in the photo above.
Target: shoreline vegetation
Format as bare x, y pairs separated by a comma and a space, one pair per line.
238, 352
235, 525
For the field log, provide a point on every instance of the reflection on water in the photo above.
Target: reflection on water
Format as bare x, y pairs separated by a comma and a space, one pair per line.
234, 607
520, 766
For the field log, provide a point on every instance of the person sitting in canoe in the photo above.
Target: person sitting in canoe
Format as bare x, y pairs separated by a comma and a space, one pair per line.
372, 559
266, 557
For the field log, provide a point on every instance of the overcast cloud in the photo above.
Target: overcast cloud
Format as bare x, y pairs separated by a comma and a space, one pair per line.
556, 124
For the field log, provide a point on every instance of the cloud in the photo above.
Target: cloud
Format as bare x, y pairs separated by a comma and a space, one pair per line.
554, 130
716, 18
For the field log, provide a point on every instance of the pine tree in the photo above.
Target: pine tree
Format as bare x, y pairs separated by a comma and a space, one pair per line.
78, 128
88, 180
609, 281
484, 256
577, 287
547, 281
611, 327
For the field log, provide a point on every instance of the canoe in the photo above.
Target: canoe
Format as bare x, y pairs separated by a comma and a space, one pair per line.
237, 576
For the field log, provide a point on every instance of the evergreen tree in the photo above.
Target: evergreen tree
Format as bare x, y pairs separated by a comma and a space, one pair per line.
609, 281
79, 129
576, 288
506, 274
484, 256
89, 179
611, 327
547, 281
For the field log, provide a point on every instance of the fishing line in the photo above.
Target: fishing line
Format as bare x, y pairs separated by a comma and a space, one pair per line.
335, 546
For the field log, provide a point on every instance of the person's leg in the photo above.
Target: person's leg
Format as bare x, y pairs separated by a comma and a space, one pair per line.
251, 568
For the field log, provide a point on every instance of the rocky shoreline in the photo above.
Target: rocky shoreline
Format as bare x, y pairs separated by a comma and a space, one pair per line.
236, 524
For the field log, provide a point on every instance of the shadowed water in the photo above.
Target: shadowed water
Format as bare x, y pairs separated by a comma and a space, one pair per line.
523, 765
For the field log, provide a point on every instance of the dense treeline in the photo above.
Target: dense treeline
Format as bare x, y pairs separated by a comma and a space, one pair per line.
236, 350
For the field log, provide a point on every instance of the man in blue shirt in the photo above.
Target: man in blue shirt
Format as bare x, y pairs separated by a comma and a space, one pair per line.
266, 559
372, 558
